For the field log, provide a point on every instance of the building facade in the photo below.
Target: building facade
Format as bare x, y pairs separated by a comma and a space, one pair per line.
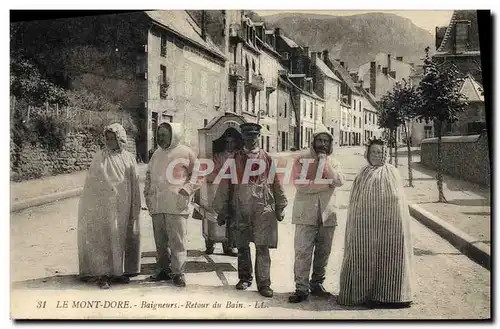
286, 116
327, 85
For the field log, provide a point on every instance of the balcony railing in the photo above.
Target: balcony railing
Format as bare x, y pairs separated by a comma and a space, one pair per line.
272, 85
237, 71
255, 81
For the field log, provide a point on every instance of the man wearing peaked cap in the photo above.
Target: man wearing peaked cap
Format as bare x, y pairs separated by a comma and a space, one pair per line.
250, 128
259, 206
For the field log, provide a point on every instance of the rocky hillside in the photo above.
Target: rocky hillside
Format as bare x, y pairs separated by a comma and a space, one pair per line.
355, 39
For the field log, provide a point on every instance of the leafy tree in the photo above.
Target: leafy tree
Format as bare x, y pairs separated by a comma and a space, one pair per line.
27, 83
441, 102
390, 118
405, 101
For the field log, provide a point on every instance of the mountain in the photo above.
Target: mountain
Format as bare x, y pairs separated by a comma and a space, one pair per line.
354, 39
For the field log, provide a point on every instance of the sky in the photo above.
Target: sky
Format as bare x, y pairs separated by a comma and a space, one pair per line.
426, 19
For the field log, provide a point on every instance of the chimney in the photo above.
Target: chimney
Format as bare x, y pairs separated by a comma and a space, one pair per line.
393, 74
399, 58
313, 59
203, 25
342, 64
326, 55
306, 52
384, 70
373, 77
389, 62
354, 77
319, 54
277, 31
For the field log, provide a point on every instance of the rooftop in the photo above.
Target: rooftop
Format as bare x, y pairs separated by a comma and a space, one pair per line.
448, 41
182, 24
472, 90
326, 70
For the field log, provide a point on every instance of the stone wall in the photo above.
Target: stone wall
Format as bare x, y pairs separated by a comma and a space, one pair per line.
465, 157
34, 161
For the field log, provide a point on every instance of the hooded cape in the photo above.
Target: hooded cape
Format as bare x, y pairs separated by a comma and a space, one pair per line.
320, 198
108, 213
377, 264
162, 185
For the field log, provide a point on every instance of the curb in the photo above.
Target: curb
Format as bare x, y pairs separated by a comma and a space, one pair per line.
479, 252
45, 199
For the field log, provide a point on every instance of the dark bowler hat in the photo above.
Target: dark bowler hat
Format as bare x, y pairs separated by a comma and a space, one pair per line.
250, 128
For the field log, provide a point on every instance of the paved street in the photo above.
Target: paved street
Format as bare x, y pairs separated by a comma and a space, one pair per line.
448, 285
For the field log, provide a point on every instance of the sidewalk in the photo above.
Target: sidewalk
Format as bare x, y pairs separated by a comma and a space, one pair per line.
468, 207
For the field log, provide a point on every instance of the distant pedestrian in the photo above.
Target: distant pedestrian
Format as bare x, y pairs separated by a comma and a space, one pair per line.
377, 266
314, 215
256, 206
108, 214
168, 192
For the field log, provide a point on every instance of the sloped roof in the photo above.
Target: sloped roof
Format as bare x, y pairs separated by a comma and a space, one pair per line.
181, 23
369, 96
289, 42
326, 70
344, 75
472, 90
447, 44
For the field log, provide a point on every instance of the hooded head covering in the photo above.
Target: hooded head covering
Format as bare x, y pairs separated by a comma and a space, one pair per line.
319, 131
383, 144
119, 131
176, 130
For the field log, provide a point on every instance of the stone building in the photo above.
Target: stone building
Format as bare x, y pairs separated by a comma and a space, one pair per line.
350, 105
158, 65
327, 86
459, 43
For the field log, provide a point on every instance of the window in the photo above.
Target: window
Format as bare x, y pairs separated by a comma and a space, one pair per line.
366, 116
311, 114
354, 103
305, 108
203, 82
285, 110
188, 80
359, 106
359, 123
163, 46
253, 103
163, 82
247, 101
205, 122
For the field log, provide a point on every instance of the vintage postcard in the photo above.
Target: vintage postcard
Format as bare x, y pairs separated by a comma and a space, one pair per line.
250, 164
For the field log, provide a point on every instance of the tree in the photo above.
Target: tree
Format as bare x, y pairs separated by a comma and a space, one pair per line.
406, 101
441, 102
390, 118
27, 83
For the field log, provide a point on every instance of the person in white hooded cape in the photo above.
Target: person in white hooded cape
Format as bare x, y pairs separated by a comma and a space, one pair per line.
108, 214
377, 265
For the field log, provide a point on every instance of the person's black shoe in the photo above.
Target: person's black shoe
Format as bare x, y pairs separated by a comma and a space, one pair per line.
179, 280
381, 305
266, 292
120, 279
243, 285
298, 297
318, 290
161, 276
103, 283
231, 252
